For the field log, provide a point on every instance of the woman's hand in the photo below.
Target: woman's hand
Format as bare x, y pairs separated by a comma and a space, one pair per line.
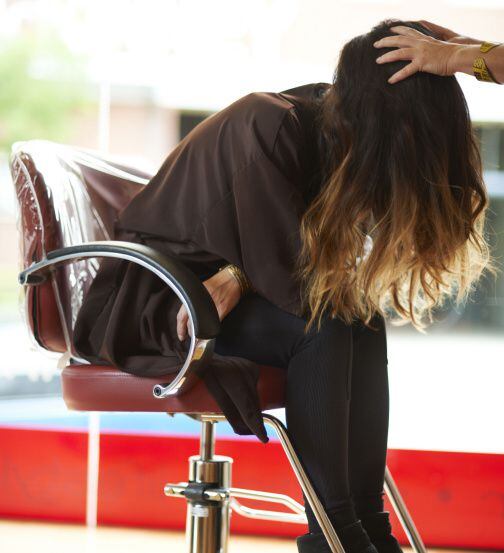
425, 53
226, 293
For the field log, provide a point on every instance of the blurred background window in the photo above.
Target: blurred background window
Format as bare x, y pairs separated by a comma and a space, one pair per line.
188, 121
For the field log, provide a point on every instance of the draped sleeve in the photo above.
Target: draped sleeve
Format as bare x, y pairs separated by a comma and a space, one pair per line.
256, 225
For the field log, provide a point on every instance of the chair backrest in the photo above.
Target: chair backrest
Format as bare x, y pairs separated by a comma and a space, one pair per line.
66, 196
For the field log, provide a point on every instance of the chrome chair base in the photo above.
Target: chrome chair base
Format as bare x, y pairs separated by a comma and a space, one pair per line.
211, 499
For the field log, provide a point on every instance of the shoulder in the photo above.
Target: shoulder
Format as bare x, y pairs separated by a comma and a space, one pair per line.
252, 123
247, 126
268, 112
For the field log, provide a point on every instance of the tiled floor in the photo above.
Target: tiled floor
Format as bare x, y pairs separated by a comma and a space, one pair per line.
24, 537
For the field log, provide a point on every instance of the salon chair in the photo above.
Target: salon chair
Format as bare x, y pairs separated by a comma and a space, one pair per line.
68, 200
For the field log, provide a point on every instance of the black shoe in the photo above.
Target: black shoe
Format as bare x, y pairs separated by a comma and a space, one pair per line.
353, 538
379, 530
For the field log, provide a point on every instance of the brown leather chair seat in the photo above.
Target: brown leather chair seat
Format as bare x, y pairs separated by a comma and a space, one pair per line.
105, 388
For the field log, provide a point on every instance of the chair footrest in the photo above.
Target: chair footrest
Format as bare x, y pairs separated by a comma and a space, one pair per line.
197, 491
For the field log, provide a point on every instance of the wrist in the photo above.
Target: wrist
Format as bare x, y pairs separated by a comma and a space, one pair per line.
462, 58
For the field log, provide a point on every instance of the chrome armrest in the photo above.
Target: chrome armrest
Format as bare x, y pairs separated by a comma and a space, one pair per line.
203, 317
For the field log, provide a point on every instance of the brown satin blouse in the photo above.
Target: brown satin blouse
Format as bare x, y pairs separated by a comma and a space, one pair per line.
232, 191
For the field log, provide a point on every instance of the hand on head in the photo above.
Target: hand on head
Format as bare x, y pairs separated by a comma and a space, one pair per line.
443, 54
424, 52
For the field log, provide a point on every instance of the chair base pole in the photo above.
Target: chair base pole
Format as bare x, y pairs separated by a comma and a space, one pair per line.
208, 520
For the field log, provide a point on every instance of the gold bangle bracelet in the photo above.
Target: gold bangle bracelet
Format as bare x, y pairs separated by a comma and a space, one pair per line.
240, 276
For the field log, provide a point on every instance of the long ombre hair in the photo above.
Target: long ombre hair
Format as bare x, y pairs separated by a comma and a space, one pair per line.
400, 164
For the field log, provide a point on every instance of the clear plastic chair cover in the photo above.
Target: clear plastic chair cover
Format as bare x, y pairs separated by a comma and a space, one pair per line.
66, 196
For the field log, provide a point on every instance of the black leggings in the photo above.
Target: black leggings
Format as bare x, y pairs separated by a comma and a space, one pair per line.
337, 399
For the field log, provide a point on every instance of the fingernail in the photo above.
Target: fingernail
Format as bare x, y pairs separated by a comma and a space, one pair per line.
377, 43
179, 337
379, 60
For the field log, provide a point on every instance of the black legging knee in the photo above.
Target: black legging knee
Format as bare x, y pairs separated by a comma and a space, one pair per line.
337, 399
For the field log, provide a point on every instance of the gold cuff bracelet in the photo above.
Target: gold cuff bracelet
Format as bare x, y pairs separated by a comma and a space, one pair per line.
480, 69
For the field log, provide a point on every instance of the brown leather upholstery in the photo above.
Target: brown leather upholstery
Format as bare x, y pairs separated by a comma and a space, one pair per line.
102, 388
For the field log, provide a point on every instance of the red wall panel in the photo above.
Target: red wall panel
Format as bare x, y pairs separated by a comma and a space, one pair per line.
43, 474
456, 499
